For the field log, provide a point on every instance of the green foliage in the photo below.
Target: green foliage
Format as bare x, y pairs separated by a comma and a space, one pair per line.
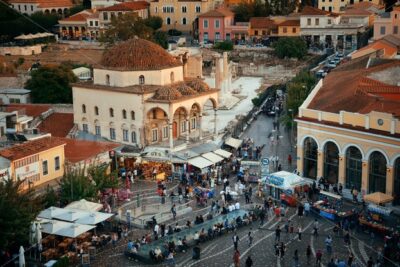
50, 84
245, 10
75, 9
17, 210
62, 262
87, 4
291, 47
260, 98
161, 38
225, 45
174, 32
102, 179
154, 22
50, 198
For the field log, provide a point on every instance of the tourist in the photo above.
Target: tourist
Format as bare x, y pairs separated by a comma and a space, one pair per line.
350, 259
236, 258
315, 229
332, 263
307, 208
308, 253
196, 238
170, 259
278, 234
249, 261
296, 259
156, 231
370, 262
289, 159
318, 257
235, 239
299, 232
250, 239
173, 211
282, 249
277, 249
262, 217
328, 244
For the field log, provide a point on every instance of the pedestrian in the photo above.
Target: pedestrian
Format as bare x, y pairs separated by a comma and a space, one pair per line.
282, 250
235, 239
249, 261
170, 259
250, 239
350, 259
307, 208
308, 253
296, 259
276, 246
328, 244
318, 257
173, 211
278, 234
332, 263
299, 232
236, 258
370, 262
262, 217
347, 238
289, 159
247, 197
316, 226
287, 225
300, 211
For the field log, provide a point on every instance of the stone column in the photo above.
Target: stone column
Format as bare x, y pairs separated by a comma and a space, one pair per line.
300, 159
199, 127
219, 73
364, 176
342, 168
215, 122
389, 179
320, 163
171, 136
187, 129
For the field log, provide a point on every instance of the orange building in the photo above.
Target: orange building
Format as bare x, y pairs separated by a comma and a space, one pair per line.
230, 3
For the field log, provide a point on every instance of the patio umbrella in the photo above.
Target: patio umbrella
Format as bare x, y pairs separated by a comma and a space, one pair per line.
74, 230
32, 233
378, 198
94, 218
71, 215
38, 234
51, 212
21, 257
85, 205
21, 37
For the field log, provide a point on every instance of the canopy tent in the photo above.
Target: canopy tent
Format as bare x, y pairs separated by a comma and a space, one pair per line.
233, 142
328, 194
223, 153
74, 229
378, 198
212, 157
200, 162
85, 205
285, 180
53, 226
51, 212
94, 218
70, 215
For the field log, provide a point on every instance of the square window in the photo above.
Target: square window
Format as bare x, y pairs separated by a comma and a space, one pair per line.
154, 135
97, 130
57, 163
45, 167
112, 133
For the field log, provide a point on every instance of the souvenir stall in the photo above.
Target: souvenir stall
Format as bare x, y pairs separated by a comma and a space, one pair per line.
285, 186
330, 206
232, 144
251, 170
155, 164
374, 218
201, 164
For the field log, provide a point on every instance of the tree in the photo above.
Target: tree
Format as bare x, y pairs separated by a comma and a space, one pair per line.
103, 180
126, 27
46, 21
51, 84
76, 9
87, 4
161, 38
17, 210
291, 47
154, 22
50, 198
225, 45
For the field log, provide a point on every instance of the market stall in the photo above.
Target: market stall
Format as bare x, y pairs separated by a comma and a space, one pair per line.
251, 170
285, 186
330, 206
200, 163
233, 142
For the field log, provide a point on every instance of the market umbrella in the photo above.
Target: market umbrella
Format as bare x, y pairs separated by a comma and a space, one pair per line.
38, 234
378, 198
32, 233
85, 205
21, 257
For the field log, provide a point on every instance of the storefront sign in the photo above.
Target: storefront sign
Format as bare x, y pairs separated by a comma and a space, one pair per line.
27, 171
275, 180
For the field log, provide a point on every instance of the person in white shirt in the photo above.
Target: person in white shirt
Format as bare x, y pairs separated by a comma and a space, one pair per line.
156, 231
237, 206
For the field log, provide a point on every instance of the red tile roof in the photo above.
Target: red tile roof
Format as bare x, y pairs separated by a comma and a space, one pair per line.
45, 3
33, 110
30, 148
220, 12
127, 6
81, 16
290, 22
261, 22
79, 150
312, 11
57, 124
349, 88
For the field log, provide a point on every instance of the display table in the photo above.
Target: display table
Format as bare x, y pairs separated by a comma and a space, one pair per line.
329, 213
375, 226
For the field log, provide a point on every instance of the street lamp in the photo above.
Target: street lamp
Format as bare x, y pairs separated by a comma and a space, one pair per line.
291, 130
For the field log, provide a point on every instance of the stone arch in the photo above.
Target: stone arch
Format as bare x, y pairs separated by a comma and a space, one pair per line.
97, 122
310, 157
195, 106
209, 104
59, 11
53, 11
84, 119
394, 158
333, 141
46, 11
344, 150
353, 167
182, 108
124, 126
372, 150
331, 161
156, 111
66, 11
111, 124
301, 143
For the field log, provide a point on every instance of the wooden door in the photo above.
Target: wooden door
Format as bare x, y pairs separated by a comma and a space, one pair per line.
175, 129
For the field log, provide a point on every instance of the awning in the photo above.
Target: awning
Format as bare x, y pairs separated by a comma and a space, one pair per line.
233, 142
94, 218
200, 162
212, 157
74, 230
329, 194
378, 198
70, 215
51, 212
85, 205
223, 153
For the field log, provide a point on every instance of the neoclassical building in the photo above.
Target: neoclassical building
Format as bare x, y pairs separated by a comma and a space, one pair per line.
349, 129
139, 95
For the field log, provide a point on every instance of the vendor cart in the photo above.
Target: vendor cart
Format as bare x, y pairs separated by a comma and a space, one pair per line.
330, 206
251, 170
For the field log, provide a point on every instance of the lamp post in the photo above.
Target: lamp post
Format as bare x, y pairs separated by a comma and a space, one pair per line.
291, 130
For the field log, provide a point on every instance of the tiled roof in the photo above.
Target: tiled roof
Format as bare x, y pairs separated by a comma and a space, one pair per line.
261, 22
81, 16
357, 12
221, 12
79, 150
127, 6
352, 89
138, 55
30, 148
45, 3
388, 49
33, 110
58, 124
290, 22
312, 11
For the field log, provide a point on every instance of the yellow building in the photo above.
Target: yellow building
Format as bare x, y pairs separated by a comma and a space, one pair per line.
181, 15
349, 129
289, 28
36, 162
274, 26
340, 5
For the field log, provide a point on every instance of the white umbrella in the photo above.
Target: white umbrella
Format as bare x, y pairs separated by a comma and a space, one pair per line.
94, 218
74, 230
21, 257
38, 234
71, 215
51, 212
32, 233
85, 205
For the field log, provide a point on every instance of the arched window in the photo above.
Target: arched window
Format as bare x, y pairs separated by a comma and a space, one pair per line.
172, 77
377, 172
132, 115
141, 79
96, 110
396, 178
168, 21
111, 112
184, 21
124, 113
107, 79
310, 158
331, 162
353, 168
83, 108
133, 137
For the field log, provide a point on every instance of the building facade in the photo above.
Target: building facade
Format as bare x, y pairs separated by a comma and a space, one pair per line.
139, 96
181, 15
35, 162
353, 139
60, 7
387, 24
340, 5
274, 27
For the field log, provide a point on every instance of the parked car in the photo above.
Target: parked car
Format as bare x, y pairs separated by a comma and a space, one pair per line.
321, 74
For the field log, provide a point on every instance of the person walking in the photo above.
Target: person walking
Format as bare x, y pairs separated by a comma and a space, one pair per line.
249, 261
316, 226
278, 234
296, 259
236, 258
282, 249
235, 239
289, 159
328, 244
307, 208
250, 239
318, 257
276, 246
308, 254
299, 232
350, 259
173, 211
262, 217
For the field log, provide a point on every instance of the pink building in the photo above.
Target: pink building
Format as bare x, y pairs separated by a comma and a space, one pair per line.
218, 25
387, 23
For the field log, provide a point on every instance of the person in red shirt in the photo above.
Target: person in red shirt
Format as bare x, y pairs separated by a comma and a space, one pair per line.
289, 159
236, 258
